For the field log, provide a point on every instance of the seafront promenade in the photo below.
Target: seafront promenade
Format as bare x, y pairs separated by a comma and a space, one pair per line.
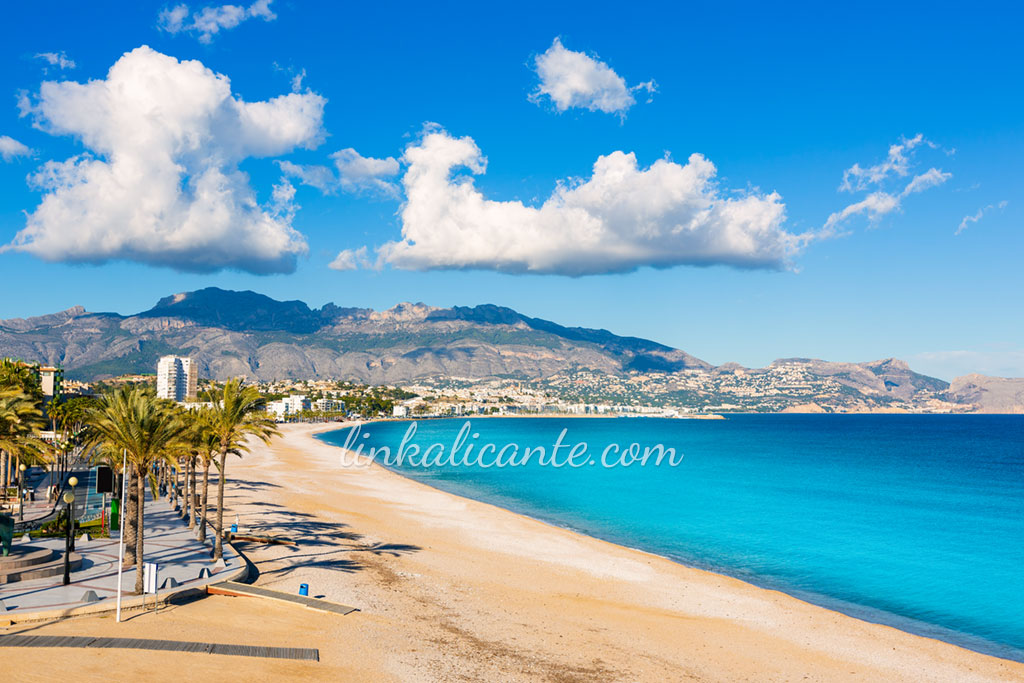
184, 564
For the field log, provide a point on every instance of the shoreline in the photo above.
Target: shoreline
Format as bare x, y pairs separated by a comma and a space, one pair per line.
864, 613
450, 588
311, 431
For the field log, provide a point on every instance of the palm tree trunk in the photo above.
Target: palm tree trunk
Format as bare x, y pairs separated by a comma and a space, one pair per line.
171, 491
184, 492
206, 495
191, 506
218, 548
141, 476
131, 513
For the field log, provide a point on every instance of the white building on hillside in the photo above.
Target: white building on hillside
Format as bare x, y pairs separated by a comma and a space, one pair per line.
176, 378
329, 405
289, 405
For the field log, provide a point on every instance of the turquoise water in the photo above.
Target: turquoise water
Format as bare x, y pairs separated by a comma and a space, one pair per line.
916, 521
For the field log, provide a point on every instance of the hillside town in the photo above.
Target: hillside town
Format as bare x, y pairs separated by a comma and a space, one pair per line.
786, 386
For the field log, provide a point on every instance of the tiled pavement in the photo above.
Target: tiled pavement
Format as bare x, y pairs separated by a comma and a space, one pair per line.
168, 542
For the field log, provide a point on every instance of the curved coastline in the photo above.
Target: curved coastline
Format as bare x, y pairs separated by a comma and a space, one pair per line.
865, 613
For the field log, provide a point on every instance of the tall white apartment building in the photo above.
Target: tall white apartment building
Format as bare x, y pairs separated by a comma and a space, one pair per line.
176, 378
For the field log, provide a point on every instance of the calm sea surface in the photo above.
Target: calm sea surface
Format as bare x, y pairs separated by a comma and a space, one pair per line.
916, 521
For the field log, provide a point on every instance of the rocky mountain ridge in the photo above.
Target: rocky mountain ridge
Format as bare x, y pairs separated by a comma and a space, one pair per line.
246, 333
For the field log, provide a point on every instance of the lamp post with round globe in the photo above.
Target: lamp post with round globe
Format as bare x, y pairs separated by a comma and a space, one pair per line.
72, 483
21, 492
69, 498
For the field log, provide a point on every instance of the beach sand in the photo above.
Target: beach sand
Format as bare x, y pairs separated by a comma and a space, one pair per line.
454, 589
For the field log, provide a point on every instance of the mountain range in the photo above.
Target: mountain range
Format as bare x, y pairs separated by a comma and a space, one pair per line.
233, 333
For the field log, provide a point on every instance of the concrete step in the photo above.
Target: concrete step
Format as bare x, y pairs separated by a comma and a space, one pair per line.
51, 564
25, 556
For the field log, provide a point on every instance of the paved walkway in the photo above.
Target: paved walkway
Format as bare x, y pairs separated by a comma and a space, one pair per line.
168, 542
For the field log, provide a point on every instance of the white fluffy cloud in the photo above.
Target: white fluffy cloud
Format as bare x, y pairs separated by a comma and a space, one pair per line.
210, 21
886, 182
897, 163
350, 259
967, 220
574, 79
11, 148
160, 183
620, 219
57, 59
354, 173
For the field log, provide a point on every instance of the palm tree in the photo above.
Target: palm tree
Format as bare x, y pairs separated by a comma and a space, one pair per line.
207, 444
15, 377
147, 429
67, 417
196, 432
15, 374
191, 440
20, 418
235, 416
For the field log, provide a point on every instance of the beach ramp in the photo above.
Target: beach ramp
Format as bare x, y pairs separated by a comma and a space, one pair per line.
245, 590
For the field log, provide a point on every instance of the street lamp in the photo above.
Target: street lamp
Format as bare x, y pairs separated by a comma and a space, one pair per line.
69, 498
21, 492
72, 482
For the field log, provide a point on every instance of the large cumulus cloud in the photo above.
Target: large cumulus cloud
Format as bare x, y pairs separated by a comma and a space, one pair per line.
160, 180
622, 218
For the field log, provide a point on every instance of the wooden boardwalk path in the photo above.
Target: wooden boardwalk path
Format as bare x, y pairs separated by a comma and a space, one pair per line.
308, 654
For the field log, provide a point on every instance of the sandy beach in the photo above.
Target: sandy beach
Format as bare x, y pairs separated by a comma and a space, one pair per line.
454, 589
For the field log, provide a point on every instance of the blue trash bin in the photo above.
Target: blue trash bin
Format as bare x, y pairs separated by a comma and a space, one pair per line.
234, 528
304, 589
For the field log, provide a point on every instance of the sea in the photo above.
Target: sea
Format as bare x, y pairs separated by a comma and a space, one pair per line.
915, 521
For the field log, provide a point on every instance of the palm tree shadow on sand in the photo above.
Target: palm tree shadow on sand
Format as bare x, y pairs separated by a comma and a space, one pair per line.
247, 484
318, 545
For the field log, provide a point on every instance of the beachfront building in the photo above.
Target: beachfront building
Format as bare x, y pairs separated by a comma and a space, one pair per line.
176, 378
289, 405
277, 409
328, 405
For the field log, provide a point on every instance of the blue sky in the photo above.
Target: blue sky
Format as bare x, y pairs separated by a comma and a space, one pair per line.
779, 100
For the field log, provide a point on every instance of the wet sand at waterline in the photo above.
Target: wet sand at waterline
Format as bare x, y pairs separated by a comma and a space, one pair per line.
453, 589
